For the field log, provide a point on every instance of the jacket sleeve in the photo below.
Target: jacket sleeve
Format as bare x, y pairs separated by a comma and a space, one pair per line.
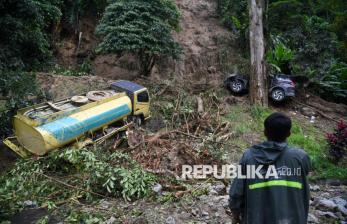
237, 192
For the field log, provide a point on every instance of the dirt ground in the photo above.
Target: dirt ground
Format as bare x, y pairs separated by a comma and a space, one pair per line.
201, 69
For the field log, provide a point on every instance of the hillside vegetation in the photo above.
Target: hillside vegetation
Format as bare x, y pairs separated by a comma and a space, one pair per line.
181, 51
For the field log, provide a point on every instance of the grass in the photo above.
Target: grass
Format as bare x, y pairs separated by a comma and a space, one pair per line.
313, 142
248, 121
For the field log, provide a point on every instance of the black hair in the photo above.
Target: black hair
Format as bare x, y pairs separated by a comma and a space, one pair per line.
277, 127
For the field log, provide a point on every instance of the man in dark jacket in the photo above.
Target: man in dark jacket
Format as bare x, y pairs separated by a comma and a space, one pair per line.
280, 199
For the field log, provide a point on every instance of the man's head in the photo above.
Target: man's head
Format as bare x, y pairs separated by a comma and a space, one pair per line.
277, 127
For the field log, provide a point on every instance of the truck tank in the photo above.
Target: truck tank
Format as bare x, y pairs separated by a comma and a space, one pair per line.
54, 133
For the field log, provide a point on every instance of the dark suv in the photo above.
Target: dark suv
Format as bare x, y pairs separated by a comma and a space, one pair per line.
281, 86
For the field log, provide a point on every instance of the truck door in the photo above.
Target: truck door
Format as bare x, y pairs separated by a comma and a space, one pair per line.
141, 104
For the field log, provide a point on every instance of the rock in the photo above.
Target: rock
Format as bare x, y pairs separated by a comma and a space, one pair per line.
326, 204
312, 218
105, 204
205, 215
184, 215
326, 214
111, 220
307, 111
140, 219
339, 215
170, 220
218, 189
314, 188
30, 204
196, 212
333, 182
213, 192
339, 201
157, 188
227, 189
325, 195
212, 69
342, 209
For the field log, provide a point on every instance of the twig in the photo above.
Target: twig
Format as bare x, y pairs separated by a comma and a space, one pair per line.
209, 140
71, 186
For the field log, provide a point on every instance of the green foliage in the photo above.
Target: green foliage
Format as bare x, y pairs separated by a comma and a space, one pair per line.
82, 70
303, 135
84, 217
234, 15
21, 90
283, 15
315, 30
142, 27
23, 41
314, 144
280, 57
333, 86
73, 10
104, 173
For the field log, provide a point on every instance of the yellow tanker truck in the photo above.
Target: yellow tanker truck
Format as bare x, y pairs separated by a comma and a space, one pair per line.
44, 127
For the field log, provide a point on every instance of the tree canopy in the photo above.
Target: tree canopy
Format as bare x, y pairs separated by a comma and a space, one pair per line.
142, 27
23, 42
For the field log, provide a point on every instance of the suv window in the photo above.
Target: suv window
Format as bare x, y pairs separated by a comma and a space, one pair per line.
143, 97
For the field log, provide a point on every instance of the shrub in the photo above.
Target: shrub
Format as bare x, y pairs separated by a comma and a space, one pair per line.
24, 43
280, 58
333, 86
338, 142
91, 172
21, 90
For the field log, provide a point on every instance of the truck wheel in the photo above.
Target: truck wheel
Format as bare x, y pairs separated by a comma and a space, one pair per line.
137, 120
277, 95
236, 86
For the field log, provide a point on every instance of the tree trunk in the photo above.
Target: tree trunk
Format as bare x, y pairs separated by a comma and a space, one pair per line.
147, 63
258, 82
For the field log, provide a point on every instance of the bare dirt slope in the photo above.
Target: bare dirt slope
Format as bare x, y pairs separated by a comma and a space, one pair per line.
202, 38
206, 45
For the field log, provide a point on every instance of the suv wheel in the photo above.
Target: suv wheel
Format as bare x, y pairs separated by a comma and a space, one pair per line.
236, 86
277, 95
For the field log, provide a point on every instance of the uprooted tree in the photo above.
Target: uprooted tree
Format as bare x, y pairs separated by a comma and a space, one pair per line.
142, 27
258, 83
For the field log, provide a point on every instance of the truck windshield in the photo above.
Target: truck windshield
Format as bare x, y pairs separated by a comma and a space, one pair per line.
143, 97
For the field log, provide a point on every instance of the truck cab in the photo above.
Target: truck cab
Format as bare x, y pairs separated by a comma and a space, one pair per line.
138, 95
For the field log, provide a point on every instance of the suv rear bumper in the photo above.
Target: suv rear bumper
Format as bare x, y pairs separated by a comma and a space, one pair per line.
290, 92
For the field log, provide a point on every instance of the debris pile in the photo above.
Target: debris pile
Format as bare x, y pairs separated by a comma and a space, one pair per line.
195, 138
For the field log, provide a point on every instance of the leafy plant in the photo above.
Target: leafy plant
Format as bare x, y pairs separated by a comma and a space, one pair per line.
234, 15
141, 27
20, 90
338, 142
333, 86
280, 57
24, 43
90, 173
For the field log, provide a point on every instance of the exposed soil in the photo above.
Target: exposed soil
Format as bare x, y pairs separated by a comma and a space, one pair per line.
200, 67
201, 36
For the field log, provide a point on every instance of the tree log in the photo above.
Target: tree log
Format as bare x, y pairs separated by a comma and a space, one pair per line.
258, 83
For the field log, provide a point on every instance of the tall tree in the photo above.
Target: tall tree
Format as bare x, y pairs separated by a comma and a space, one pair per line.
258, 83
